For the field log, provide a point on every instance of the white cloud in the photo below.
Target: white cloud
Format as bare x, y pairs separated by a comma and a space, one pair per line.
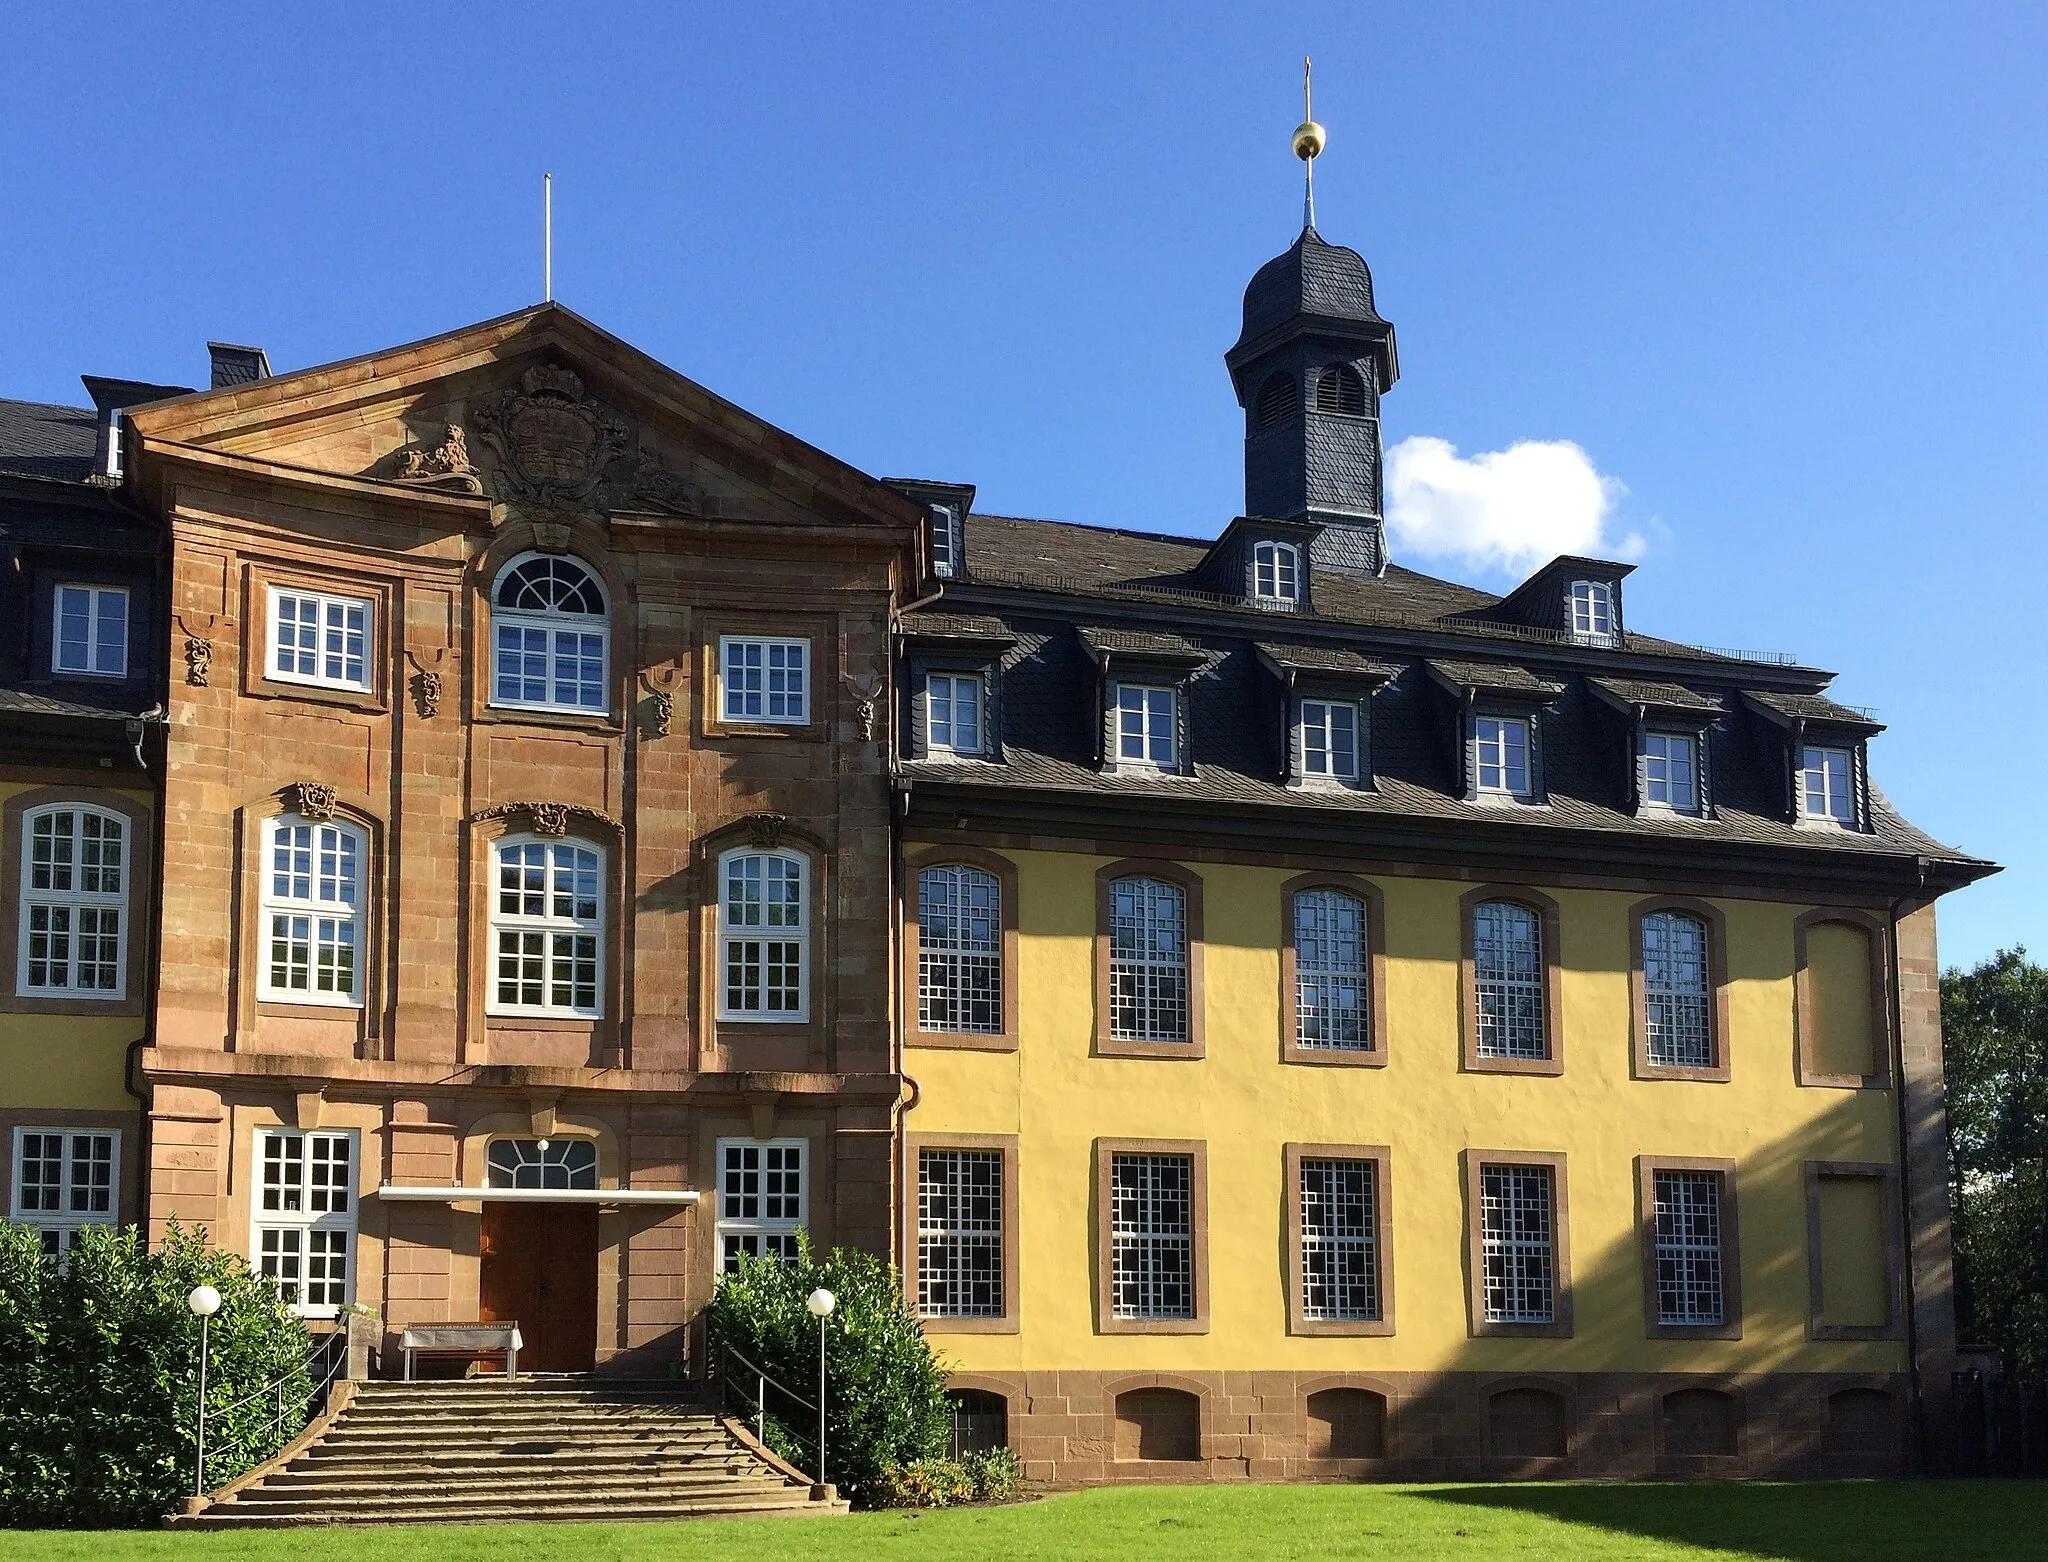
1506, 510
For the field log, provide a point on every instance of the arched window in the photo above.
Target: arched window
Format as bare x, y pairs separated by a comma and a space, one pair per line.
959, 950
1339, 389
1276, 572
312, 911
547, 926
1148, 961
1675, 989
549, 632
74, 903
541, 1163
981, 1421
1278, 400
1507, 969
764, 936
1329, 970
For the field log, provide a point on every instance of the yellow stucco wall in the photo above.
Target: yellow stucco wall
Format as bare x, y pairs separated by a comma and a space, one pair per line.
1246, 1104
68, 1061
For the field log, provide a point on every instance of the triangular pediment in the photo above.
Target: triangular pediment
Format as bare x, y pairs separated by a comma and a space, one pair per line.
538, 411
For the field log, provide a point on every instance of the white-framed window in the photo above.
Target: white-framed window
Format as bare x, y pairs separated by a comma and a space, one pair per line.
762, 1196
959, 950
1592, 612
953, 713
1677, 1031
1507, 975
1330, 1007
1147, 727
1827, 784
1340, 1268
547, 928
764, 936
1148, 960
74, 903
65, 1178
960, 1233
1518, 1244
117, 420
303, 1226
541, 1163
90, 634
946, 550
1152, 1235
1500, 755
766, 682
312, 899
1688, 1255
319, 638
1276, 572
1671, 772
1329, 742
550, 636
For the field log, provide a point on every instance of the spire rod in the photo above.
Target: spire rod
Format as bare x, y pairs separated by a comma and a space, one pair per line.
1309, 140
547, 238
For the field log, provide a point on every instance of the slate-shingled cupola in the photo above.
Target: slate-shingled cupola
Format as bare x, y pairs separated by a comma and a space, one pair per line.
1309, 367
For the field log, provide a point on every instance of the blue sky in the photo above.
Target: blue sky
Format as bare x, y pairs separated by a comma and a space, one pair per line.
1775, 270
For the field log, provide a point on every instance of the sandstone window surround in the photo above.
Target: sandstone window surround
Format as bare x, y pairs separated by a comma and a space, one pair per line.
1824, 1037
961, 1252
313, 874
1151, 1236
1691, 1248
1678, 983
1861, 1232
764, 681
547, 925
763, 1198
1333, 971
550, 637
1509, 982
65, 1179
1518, 1244
1148, 960
960, 954
1340, 1248
72, 913
321, 638
764, 936
303, 1217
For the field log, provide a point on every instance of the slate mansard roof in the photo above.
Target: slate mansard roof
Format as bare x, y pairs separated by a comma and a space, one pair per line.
1064, 593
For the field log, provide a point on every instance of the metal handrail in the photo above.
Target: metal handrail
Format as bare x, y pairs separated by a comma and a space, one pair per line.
326, 1345
762, 1383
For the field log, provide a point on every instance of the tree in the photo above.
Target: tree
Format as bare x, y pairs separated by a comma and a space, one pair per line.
1995, 1035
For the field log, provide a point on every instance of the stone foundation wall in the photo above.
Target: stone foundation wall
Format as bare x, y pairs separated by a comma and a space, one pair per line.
1068, 1428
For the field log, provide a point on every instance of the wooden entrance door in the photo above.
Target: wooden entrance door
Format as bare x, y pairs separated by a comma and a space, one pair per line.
540, 1270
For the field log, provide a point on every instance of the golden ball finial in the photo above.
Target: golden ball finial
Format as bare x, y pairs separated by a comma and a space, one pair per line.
1309, 140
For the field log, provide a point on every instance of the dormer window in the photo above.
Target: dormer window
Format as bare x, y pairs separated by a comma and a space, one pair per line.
1276, 573
1827, 788
1340, 389
1671, 772
946, 541
952, 714
1500, 755
1147, 727
91, 631
1592, 612
1328, 739
116, 420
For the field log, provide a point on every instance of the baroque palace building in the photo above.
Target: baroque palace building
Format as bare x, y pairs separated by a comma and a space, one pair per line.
494, 831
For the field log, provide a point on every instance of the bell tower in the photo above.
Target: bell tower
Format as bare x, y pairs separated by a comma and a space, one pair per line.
1309, 367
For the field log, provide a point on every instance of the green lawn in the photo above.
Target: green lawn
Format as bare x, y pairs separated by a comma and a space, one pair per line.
1896, 1521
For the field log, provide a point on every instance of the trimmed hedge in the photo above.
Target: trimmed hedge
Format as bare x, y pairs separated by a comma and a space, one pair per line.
99, 1366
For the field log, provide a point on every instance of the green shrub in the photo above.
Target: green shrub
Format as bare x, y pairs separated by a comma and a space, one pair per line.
922, 1483
995, 1473
99, 1361
885, 1396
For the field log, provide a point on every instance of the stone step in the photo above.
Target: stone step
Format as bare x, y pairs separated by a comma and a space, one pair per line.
521, 1507
485, 1438
287, 1487
432, 1420
523, 1466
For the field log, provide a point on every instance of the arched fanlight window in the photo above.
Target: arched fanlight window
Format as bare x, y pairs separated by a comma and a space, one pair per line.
541, 1163
1278, 399
1340, 389
550, 633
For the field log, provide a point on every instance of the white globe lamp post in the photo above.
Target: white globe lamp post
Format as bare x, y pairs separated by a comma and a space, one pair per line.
821, 1302
204, 1301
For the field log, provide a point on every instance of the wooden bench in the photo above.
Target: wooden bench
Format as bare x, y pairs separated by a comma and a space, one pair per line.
461, 1339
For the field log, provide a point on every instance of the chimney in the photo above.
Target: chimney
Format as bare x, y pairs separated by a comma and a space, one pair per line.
234, 365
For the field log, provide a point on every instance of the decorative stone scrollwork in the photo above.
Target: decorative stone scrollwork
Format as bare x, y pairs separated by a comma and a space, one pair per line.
765, 830
446, 466
664, 712
552, 443
312, 800
548, 818
654, 485
426, 691
198, 660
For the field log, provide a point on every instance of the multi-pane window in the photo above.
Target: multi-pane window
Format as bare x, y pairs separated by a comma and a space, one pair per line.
320, 639
1677, 1031
1592, 612
1340, 1279
765, 681
1827, 785
91, 631
1501, 754
760, 1199
65, 1179
1507, 978
1152, 1236
549, 637
74, 903
952, 713
764, 938
312, 907
1518, 1244
303, 1228
1671, 771
541, 1163
1276, 572
959, 950
1148, 960
1147, 735
1329, 741
960, 1233
1330, 1005
1688, 1255
547, 924
945, 541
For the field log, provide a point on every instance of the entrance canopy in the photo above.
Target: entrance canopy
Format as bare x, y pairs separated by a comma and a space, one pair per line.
539, 1195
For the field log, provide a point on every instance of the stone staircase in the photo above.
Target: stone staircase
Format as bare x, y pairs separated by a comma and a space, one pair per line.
483, 1451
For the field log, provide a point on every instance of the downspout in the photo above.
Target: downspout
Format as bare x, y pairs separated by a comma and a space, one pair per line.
1918, 1448
131, 1080
899, 1109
